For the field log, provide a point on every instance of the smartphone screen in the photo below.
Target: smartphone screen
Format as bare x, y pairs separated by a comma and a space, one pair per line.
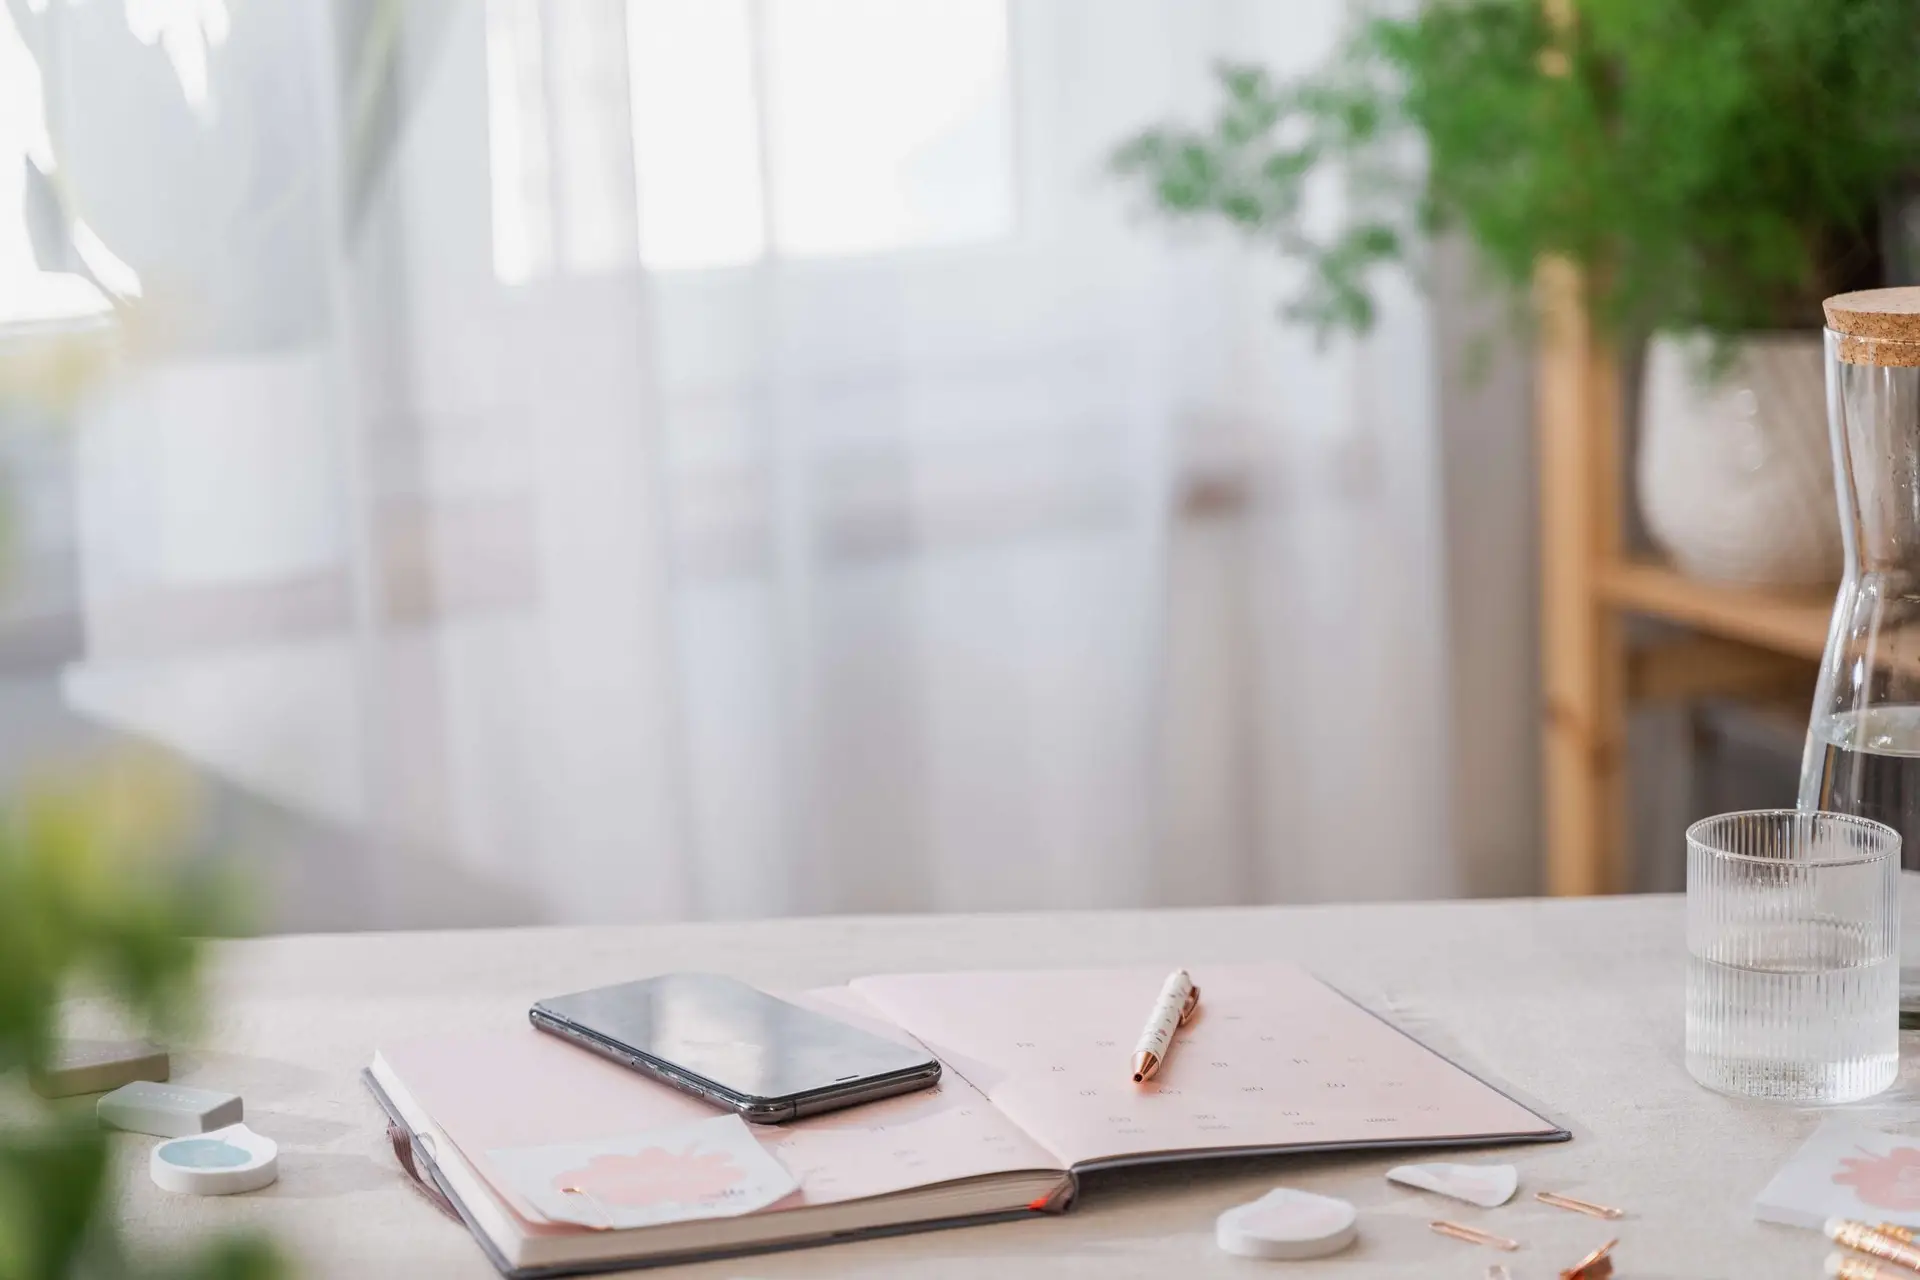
746, 1044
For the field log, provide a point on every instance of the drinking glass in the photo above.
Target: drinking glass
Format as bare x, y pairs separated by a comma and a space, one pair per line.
1793, 955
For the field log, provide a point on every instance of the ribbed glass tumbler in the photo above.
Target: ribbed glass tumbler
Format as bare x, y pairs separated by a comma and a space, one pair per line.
1793, 955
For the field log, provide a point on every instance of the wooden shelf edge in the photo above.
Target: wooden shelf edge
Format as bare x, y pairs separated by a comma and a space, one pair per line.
1792, 622
1695, 665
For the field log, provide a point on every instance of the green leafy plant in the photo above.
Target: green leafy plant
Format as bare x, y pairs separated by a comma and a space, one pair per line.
98, 905
95, 909
1714, 165
102, 908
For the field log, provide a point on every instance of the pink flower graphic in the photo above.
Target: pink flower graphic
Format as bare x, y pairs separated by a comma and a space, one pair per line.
654, 1177
1891, 1181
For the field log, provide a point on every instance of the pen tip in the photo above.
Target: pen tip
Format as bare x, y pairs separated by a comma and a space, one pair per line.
1137, 1077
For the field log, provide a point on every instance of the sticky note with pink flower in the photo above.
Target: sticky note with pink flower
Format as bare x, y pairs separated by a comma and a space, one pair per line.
1846, 1170
705, 1169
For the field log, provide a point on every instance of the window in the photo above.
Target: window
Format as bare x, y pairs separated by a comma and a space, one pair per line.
28, 293
801, 128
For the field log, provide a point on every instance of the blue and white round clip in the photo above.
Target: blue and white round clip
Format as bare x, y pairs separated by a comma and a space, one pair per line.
220, 1163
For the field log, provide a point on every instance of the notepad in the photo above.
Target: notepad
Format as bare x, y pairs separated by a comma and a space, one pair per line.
1846, 1170
1034, 1095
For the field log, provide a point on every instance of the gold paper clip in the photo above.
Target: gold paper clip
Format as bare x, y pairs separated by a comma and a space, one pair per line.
1595, 1266
1587, 1207
606, 1219
1904, 1235
1472, 1235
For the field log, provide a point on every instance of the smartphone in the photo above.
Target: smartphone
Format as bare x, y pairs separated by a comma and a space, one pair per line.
761, 1057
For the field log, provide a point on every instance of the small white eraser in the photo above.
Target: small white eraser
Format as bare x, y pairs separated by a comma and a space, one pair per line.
95, 1066
168, 1110
221, 1163
1287, 1224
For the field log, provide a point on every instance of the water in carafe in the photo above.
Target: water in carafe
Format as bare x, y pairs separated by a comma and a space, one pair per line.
1868, 763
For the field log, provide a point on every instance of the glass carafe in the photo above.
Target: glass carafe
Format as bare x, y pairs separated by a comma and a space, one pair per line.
1863, 743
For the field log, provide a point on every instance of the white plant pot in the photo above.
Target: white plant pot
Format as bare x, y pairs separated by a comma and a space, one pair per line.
1735, 474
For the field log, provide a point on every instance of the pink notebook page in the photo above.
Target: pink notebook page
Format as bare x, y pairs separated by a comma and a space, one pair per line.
1273, 1058
522, 1087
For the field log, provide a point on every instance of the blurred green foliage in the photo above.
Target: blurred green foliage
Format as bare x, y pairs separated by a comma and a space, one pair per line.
95, 905
96, 902
1714, 164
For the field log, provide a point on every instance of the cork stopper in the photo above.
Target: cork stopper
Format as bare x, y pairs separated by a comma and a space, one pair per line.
1877, 326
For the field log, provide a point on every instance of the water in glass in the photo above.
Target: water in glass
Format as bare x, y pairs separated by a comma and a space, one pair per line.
1793, 962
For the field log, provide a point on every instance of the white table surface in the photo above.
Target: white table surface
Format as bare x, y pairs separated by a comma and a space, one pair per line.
1577, 1003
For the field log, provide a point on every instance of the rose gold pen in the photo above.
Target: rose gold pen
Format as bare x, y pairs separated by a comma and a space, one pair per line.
1178, 999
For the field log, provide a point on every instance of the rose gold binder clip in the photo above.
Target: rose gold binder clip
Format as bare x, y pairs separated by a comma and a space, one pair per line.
1595, 1266
1587, 1207
1472, 1235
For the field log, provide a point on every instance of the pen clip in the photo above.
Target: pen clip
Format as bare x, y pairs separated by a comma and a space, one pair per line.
1193, 1002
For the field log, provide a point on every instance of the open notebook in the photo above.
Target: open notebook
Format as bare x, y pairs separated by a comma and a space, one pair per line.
1034, 1093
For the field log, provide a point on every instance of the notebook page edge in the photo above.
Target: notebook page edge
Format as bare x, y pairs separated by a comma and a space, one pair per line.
1012, 1096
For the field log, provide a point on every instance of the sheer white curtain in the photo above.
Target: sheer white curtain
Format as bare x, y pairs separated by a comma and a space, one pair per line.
625, 459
